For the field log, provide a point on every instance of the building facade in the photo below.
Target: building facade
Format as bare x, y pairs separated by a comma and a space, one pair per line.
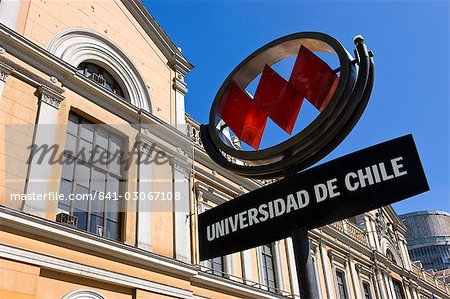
428, 237
88, 75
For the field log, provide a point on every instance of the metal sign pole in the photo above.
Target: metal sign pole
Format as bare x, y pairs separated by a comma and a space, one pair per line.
306, 275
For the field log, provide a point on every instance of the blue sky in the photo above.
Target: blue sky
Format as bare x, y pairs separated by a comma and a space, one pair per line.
410, 40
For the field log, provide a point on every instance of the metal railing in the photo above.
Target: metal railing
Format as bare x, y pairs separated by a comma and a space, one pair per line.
430, 278
246, 282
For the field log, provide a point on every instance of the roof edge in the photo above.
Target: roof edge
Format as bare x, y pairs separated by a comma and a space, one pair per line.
159, 36
425, 212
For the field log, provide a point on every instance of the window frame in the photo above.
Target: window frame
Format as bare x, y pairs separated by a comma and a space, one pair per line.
102, 70
265, 256
369, 285
396, 283
209, 264
344, 283
108, 174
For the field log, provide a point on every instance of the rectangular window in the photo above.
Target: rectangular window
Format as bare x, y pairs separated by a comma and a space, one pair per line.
398, 289
92, 178
268, 267
215, 266
366, 290
341, 288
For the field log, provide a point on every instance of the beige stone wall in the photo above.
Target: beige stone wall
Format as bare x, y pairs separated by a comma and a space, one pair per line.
110, 19
162, 229
85, 257
57, 285
18, 108
18, 280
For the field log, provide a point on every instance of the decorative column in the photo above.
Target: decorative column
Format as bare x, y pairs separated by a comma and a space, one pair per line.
406, 285
180, 91
414, 291
228, 267
45, 134
355, 277
247, 266
278, 269
292, 268
389, 284
326, 262
372, 232
181, 208
5, 71
144, 228
404, 251
314, 255
381, 283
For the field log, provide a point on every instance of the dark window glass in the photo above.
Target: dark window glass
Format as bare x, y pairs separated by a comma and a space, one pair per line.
390, 256
268, 267
340, 279
398, 289
101, 76
366, 290
215, 266
89, 179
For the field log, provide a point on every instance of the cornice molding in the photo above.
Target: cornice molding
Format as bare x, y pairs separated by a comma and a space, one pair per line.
25, 74
73, 237
73, 268
50, 96
179, 84
5, 71
40, 227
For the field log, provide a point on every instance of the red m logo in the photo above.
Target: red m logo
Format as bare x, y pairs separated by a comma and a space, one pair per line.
281, 100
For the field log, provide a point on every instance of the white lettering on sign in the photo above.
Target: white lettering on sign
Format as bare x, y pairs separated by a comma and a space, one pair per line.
354, 180
275, 208
374, 174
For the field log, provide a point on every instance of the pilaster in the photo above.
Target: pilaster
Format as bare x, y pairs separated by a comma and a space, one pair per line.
45, 134
278, 269
326, 262
381, 283
145, 171
181, 208
180, 91
292, 268
355, 277
247, 266
5, 71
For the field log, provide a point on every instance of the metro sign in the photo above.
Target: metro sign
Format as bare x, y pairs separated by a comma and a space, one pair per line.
302, 199
342, 188
340, 100
277, 98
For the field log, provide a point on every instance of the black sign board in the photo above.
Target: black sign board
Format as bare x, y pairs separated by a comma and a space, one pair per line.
339, 189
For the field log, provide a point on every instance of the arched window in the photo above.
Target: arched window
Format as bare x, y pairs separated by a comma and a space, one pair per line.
103, 77
81, 47
390, 256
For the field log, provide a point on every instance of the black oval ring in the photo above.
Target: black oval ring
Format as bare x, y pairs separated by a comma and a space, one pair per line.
318, 138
